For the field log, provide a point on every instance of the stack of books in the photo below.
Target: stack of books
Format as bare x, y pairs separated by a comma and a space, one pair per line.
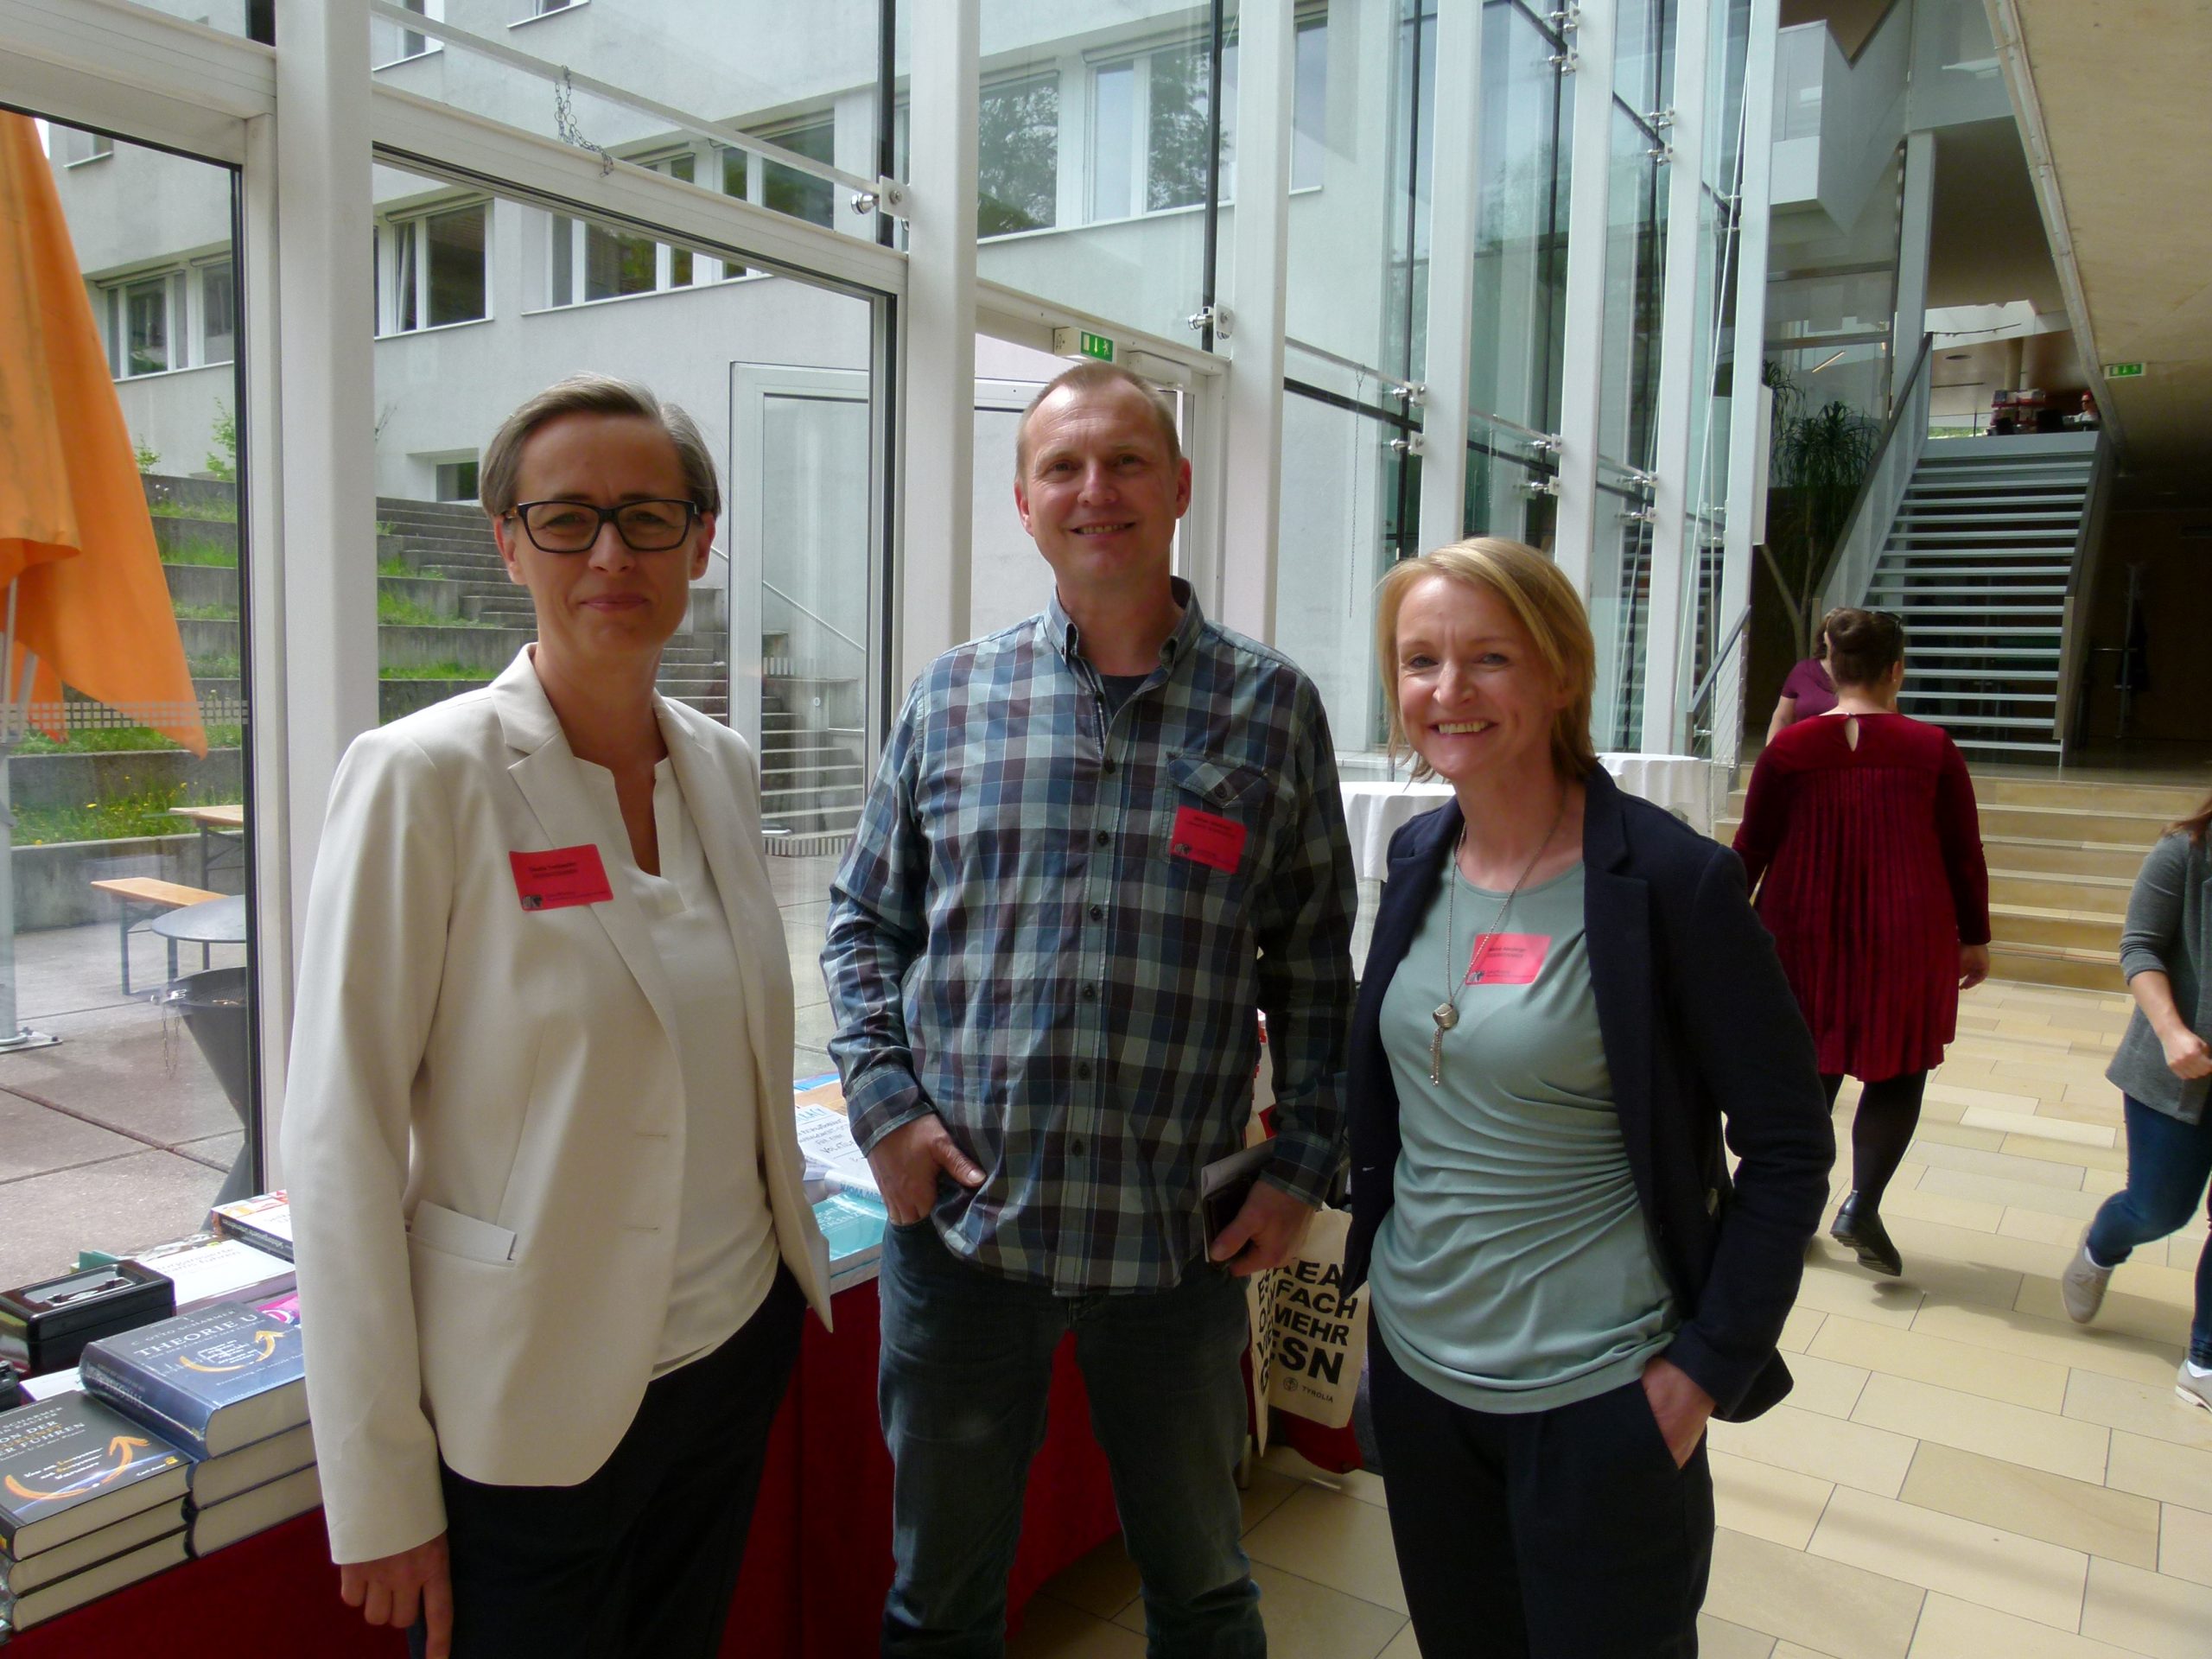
264, 1222
90, 1501
228, 1384
852, 1225
209, 1268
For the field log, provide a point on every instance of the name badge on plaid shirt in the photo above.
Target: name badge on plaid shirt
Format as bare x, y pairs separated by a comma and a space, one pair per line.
1203, 838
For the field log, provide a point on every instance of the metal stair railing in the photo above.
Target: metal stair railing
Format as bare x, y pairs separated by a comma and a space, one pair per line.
1867, 531
2071, 714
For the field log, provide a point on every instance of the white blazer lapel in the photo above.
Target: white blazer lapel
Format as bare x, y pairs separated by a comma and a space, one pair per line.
726, 815
552, 780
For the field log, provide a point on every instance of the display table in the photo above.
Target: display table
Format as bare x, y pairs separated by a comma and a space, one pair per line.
816, 1570
1375, 813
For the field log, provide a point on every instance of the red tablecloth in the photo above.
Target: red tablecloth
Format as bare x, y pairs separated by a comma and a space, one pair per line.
816, 1570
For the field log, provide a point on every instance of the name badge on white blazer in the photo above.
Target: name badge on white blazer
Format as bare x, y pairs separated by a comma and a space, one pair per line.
560, 877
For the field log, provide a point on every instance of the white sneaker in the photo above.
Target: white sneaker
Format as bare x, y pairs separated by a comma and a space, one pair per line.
2194, 1390
2081, 1286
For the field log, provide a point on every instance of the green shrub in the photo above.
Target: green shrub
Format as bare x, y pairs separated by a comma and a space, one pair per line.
207, 612
222, 459
198, 550
121, 740
222, 667
436, 671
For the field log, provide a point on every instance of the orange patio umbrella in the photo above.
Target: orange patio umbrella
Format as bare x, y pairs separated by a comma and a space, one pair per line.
88, 600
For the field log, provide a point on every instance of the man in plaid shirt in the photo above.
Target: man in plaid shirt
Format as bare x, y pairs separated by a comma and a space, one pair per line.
1098, 842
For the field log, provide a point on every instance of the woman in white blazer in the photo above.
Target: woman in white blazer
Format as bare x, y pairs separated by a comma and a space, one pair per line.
553, 1246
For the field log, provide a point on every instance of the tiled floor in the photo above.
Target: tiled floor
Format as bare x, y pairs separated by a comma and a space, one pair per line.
1961, 1473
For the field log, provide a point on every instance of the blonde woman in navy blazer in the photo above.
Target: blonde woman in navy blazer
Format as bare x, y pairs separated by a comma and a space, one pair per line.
1568, 1281
552, 1240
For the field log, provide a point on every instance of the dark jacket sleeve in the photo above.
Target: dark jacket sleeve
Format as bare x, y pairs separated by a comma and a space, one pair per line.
1742, 1034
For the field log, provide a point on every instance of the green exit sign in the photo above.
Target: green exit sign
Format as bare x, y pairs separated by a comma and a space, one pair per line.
2123, 370
1081, 342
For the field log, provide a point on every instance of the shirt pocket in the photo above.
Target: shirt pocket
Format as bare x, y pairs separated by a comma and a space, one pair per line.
1239, 799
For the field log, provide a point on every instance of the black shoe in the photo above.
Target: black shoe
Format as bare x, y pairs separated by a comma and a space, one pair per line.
1860, 1225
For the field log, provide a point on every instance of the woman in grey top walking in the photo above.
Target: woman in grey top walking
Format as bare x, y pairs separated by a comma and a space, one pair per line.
2161, 1067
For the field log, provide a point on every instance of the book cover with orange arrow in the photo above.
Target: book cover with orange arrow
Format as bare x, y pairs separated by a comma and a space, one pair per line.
210, 1381
73, 1464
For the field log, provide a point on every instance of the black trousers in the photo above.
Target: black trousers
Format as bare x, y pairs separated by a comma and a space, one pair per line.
642, 1558
1566, 1533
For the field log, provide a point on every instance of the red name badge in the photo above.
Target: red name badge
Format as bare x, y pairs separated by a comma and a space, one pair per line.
1508, 958
564, 876
1204, 839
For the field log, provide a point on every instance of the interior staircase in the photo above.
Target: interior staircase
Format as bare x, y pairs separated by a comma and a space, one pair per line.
2062, 858
1977, 563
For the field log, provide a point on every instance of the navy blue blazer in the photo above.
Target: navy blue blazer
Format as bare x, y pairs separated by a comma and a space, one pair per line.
1699, 1026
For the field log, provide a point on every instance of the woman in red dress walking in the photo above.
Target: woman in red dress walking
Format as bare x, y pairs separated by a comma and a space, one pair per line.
1861, 837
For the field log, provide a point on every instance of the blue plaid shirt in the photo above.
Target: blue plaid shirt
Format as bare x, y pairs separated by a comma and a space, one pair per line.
1020, 941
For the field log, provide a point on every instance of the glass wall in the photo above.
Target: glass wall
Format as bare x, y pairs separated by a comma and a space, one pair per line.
1520, 308
1356, 304
810, 81
1096, 157
130, 1098
1636, 259
781, 640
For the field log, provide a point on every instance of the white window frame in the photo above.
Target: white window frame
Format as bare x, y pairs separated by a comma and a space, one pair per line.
532, 11
100, 147
416, 242
430, 45
176, 321
203, 311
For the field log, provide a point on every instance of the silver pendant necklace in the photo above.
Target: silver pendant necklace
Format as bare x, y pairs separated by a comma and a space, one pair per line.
1446, 1013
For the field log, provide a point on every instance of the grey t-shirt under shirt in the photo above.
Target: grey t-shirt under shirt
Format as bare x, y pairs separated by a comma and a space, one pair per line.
1514, 1272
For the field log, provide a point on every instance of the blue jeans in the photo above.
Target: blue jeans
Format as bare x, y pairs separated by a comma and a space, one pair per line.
966, 1369
2168, 1164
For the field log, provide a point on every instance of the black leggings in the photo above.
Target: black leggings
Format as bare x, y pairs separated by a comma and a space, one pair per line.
1889, 1111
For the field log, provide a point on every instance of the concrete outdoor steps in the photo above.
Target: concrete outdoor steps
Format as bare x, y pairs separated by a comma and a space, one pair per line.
2062, 858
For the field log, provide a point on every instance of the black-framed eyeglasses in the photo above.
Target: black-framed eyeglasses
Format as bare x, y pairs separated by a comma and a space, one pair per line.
573, 526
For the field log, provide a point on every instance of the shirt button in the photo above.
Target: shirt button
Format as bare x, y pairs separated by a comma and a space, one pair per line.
1082, 1068
1104, 838
1098, 913
1074, 1148
1107, 766
1090, 993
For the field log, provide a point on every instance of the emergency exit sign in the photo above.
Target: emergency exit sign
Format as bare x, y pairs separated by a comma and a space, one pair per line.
1081, 342
2123, 370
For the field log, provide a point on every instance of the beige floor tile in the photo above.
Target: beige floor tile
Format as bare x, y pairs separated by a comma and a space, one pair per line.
1910, 1201
1792, 1650
1102, 1583
1402, 1646
1776, 1504
1967, 1273
2040, 1440
1335, 1541
2138, 1407
2084, 1347
1798, 1329
2185, 1544
1827, 1448
2028, 1195
2076, 1513
1955, 1133
2159, 1469
2108, 1160
1717, 1639
2168, 1618
1997, 1252
2028, 1123
1269, 1490
2103, 1182
1970, 1559
1949, 1364
1830, 1287
1828, 1606
1823, 1385
2146, 1301
1052, 1629
2004, 1165
1311, 1621
1951, 1629
2183, 1250
2041, 1227
1286, 1466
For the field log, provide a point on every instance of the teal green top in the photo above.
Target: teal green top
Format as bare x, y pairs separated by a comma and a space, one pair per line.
1514, 1272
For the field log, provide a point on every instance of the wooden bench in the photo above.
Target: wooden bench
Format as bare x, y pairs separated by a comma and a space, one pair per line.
142, 897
